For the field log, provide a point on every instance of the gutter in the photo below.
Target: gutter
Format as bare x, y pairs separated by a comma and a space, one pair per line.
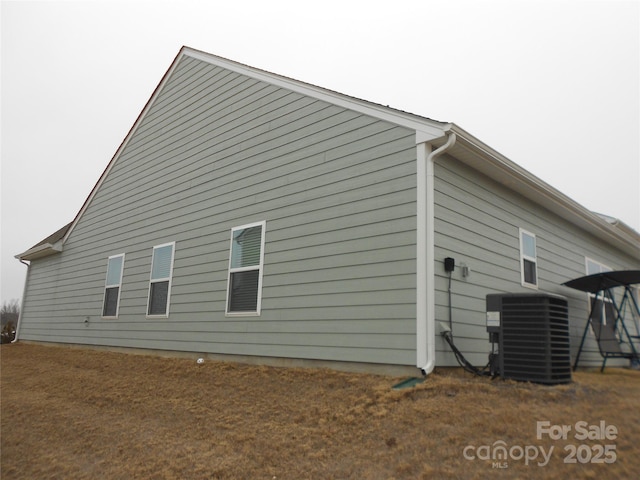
425, 261
484, 159
40, 251
24, 294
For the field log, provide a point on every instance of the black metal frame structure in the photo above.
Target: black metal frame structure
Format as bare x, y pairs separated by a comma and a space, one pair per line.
601, 285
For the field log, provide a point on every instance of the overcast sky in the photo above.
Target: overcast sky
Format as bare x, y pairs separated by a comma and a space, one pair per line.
553, 85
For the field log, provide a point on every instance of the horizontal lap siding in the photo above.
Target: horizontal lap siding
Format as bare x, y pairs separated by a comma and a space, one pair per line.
477, 223
217, 150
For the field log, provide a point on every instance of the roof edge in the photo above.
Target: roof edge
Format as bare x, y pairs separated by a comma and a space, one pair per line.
40, 251
493, 163
516, 178
124, 143
619, 224
431, 128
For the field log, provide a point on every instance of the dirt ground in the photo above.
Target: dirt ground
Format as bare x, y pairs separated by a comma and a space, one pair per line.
81, 413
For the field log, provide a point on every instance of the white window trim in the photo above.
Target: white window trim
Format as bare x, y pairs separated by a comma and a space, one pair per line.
260, 268
603, 268
163, 279
523, 257
119, 285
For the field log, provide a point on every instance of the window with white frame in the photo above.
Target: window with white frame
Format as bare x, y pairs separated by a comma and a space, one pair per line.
160, 282
528, 259
246, 259
111, 302
593, 267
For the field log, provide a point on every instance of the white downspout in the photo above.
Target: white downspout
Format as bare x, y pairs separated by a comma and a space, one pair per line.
24, 294
425, 268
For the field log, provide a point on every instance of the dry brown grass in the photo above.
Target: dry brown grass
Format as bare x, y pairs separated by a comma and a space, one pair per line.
79, 413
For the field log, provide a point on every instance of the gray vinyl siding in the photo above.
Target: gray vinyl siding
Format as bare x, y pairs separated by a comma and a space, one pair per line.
477, 223
215, 150
337, 189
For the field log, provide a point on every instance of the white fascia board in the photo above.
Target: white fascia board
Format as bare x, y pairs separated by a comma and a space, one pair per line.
483, 158
40, 251
429, 129
124, 143
619, 224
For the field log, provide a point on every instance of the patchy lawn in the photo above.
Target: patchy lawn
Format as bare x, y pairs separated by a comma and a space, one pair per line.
81, 413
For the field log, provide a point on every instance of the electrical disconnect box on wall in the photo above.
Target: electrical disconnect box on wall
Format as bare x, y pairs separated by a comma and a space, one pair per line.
449, 264
532, 334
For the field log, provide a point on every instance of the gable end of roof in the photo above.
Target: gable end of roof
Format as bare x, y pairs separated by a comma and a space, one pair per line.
49, 246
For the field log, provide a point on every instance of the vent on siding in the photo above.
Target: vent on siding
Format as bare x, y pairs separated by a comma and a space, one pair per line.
533, 336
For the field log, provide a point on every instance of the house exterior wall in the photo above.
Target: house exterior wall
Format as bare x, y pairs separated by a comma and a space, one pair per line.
217, 150
337, 191
478, 223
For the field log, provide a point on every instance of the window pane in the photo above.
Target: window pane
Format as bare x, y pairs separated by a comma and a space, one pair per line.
592, 267
595, 267
158, 298
528, 245
245, 249
114, 270
529, 272
110, 308
161, 267
243, 291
